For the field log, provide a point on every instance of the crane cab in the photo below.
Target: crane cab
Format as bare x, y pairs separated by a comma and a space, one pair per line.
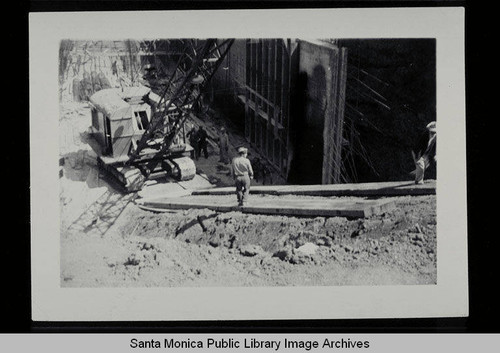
119, 120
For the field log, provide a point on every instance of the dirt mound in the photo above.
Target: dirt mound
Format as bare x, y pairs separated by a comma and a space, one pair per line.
405, 235
205, 248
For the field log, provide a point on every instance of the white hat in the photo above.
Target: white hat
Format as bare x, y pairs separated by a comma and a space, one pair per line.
197, 79
431, 126
242, 150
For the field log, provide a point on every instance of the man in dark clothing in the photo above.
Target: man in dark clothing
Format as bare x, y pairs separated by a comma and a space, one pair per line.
202, 142
257, 167
114, 68
86, 87
266, 174
425, 152
193, 140
262, 171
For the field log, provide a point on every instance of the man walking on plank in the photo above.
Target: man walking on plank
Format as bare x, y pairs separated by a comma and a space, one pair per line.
242, 172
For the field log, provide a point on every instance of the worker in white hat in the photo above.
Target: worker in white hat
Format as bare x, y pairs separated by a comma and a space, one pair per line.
425, 153
242, 172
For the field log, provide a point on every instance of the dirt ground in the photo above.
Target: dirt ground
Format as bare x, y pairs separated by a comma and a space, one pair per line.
172, 249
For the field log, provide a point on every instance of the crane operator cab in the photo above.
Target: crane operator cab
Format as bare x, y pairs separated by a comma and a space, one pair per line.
120, 118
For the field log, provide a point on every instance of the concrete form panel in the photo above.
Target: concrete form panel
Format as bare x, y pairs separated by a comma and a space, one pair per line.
322, 67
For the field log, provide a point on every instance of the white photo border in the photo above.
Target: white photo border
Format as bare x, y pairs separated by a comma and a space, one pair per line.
448, 298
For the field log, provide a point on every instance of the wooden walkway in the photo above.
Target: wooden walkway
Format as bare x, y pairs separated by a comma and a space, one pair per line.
397, 188
275, 206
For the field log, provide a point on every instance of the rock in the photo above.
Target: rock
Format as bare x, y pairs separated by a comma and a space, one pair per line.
307, 248
256, 272
132, 260
418, 237
299, 242
283, 254
348, 248
357, 233
299, 258
214, 242
324, 241
251, 250
147, 246
318, 224
330, 234
416, 229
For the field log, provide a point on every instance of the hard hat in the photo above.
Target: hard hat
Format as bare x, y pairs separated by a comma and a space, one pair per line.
431, 126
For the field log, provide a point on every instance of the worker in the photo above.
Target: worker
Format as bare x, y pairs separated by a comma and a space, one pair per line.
242, 172
425, 152
103, 81
114, 68
149, 72
262, 171
202, 142
223, 146
96, 84
266, 174
86, 87
257, 167
193, 140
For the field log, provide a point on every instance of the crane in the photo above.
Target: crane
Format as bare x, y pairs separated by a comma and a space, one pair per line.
137, 130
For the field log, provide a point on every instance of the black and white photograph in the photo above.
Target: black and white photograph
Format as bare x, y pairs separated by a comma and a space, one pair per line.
288, 162
248, 162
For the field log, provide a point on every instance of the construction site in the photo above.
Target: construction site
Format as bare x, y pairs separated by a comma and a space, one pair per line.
148, 130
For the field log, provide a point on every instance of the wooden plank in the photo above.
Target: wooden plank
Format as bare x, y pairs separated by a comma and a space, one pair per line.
281, 206
399, 188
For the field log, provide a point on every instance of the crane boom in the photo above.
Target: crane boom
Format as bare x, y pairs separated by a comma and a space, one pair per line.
193, 72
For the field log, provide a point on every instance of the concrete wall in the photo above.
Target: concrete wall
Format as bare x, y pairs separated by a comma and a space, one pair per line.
320, 90
304, 99
229, 80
